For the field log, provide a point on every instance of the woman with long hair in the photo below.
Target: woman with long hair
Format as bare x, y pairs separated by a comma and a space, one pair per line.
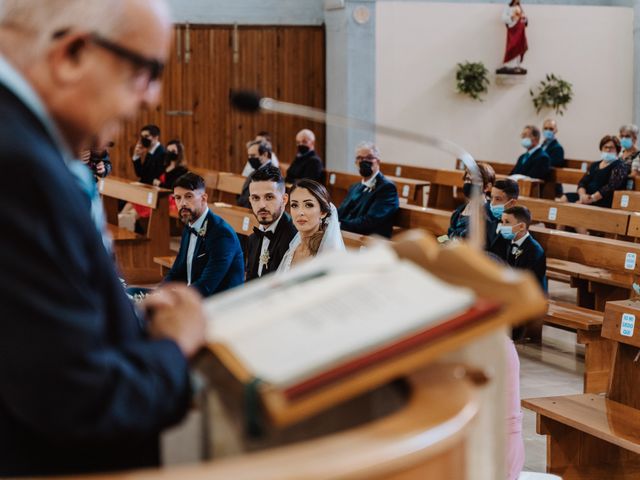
316, 220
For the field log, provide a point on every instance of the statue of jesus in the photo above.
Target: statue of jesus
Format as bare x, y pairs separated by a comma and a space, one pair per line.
513, 16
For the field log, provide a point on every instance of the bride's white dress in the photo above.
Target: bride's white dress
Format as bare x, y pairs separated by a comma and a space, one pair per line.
332, 240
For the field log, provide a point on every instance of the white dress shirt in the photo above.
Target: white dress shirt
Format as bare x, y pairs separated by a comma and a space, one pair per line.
371, 182
516, 244
193, 239
266, 241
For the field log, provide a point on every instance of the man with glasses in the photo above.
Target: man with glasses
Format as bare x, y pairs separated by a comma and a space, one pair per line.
87, 384
371, 204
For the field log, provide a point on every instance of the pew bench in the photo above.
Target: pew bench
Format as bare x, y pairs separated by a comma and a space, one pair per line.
134, 253
598, 352
594, 436
165, 263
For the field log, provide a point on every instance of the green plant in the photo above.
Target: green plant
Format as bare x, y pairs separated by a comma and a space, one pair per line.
553, 92
472, 78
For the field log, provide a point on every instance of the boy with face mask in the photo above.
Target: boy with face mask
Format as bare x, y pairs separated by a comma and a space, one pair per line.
504, 195
370, 205
522, 250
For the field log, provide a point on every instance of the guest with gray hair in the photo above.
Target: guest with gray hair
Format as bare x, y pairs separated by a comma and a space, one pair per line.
307, 164
370, 206
630, 154
87, 384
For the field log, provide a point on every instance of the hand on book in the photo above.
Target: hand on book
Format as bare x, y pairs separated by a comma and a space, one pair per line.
175, 312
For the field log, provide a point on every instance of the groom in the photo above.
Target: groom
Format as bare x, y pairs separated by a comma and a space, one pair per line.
210, 257
269, 242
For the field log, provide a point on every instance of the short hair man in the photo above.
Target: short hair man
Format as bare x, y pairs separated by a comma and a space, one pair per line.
70, 336
307, 163
535, 162
259, 156
148, 155
504, 195
552, 147
371, 205
523, 251
210, 257
270, 241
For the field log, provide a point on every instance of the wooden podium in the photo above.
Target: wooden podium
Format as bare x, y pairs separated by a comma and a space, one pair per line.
435, 411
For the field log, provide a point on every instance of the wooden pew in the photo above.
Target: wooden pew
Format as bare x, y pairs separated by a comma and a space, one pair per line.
338, 184
229, 187
626, 200
432, 220
593, 436
582, 165
134, 253
595, 219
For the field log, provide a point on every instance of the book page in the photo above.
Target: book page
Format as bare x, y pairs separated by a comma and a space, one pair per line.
344, 305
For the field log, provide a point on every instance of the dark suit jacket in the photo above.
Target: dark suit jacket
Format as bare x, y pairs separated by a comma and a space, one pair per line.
152, 166
532, 258
537, 166
555, 152
459, 225
82, 387
284, 233
218, 263
371, 212
308, 166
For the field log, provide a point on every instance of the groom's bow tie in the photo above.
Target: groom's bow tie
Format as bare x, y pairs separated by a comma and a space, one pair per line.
262, 234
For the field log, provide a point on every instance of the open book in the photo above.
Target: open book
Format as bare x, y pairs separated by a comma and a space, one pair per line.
334, 315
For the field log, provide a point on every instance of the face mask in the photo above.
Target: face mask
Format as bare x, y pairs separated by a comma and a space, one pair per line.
171, 156
497, 211
145, 142
467, 189
548, 134
303, 149
507, 232
626, 143
365, 169
255, 162
608, 157
526, 143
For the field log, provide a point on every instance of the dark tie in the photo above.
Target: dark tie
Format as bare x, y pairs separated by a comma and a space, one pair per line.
262, 234
191, 230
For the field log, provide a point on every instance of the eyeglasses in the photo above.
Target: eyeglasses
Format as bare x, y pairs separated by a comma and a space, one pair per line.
148, 70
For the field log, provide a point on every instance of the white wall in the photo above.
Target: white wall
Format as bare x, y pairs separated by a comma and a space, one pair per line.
419, 45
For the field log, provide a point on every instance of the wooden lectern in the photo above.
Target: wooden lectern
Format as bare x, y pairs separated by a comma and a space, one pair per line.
421, 414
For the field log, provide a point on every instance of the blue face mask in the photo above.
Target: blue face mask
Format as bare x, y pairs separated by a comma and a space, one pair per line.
497, 211
548, 134
626, 143
507, 232
526, 143
608, 157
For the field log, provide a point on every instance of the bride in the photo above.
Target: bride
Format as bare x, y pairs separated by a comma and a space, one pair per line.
316, 220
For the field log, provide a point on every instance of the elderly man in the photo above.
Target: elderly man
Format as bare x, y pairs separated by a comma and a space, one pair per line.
371, 204
86, 384
307, 163
535, 162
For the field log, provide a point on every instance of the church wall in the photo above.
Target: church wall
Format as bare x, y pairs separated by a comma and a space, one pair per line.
418, 45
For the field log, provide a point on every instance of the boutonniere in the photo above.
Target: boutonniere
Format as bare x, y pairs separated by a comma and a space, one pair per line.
203, 230
264, 258
518, 252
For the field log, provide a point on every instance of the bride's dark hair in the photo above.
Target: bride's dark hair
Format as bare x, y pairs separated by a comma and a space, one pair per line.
320, 193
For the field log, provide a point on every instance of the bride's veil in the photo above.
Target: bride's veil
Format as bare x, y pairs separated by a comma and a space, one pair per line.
332, 238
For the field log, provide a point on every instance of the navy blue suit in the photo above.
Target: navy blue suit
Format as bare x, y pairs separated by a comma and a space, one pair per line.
82, 387
218, 263
555, 152
370, 212
535, 166
530, 256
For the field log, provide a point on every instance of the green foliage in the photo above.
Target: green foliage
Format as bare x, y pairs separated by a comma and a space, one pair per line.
472, 78
553, 92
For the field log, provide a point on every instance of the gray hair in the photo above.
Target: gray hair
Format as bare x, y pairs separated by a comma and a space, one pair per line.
369, 146
40, 19
308, 134
630, 128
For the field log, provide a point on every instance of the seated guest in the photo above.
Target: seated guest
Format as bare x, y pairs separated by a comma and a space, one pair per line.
175, 165
504, 195
523, 251
630, 154
316, 220
535, 162
370, 205
148, 155
553, 148
307, 163
210, 257
259, 154
603, 177
262, 136
459, 223
270, 241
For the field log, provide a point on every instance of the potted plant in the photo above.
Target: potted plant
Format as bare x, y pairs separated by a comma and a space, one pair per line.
553, 92
472, 78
